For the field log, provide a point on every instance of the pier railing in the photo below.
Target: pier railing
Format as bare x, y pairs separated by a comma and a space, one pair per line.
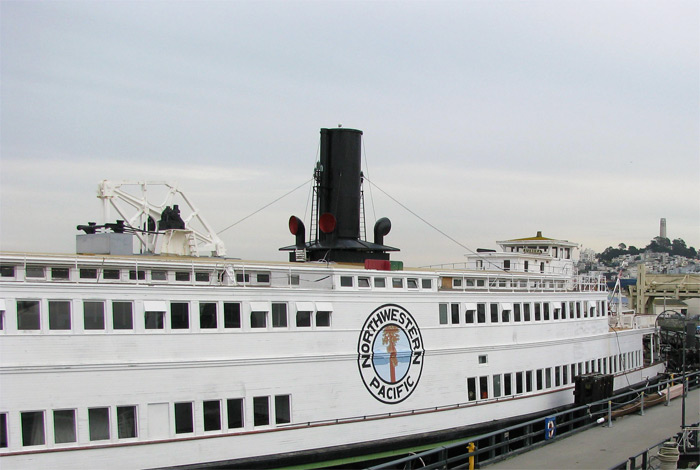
504, 443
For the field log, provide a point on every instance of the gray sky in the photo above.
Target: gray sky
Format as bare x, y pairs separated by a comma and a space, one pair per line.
492, 120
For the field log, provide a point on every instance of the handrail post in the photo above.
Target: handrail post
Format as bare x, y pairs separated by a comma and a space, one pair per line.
609, 413
641, 411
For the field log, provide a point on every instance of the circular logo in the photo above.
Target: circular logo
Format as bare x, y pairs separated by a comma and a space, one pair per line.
390, 354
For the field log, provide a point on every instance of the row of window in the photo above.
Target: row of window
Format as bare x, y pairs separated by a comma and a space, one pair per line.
505, 283
33, 272
60, 426
380, 282
117, 315
56, 273
517, 383
505, 312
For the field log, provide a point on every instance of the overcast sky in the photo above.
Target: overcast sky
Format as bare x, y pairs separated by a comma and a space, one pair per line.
490, 119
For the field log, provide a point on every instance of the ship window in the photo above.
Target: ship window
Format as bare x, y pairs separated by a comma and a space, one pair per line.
32, 428
207, 315
303, 319
481, 313
546, 311
443, 314
263, 278
525, 265
541, 267
345, 281
88, 273
122, 315
454, 308
479, 264
412, 283
457, 282
494, 313
483, 359
538, 311
380, 282
480, 283
3, 430
159, 275
184, 422
294, 280
506, 265
528, 381
556, 313
59, 315
470, 313
565, 375
203, 277
283, 412
484, 387
497, 385
426, 283
516, 312
578, 309
126, 422
539, 379
28, 317
362, 282
154, 320
94, 315
98, 419
323, 318
34, 271
471, 388
134, 275
526, 312
232, 315
60, 273
182, 276
505, 312
279, 315
212, 415
507, 384
234, 412
397, 282
240, 277
518, 382
548, 377
258, 319
179, 315
557, 376
7, 270
261, 411
110, 274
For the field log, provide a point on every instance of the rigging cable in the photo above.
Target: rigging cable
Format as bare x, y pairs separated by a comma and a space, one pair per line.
434, 227
264, 207
366, 160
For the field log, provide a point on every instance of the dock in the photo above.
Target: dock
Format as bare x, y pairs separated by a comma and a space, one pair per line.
604, 447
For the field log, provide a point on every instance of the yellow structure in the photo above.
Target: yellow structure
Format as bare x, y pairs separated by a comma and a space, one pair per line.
654, 286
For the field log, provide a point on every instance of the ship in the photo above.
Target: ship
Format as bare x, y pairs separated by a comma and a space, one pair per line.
175, 355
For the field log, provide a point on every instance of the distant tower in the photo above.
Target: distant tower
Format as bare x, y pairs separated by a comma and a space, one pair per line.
662, 228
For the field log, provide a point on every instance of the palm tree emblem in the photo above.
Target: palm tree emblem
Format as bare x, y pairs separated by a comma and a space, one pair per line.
390, 337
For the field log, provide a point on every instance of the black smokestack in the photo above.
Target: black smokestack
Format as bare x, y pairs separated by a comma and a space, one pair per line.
339, 191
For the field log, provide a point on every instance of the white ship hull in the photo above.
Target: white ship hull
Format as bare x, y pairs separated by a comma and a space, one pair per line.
317, 369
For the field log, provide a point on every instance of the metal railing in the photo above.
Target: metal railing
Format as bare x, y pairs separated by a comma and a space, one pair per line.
504, 443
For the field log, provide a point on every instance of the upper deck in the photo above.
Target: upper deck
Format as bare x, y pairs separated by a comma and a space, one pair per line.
158, 271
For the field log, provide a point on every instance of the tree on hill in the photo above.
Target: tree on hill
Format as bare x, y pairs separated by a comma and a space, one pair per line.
657, 245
